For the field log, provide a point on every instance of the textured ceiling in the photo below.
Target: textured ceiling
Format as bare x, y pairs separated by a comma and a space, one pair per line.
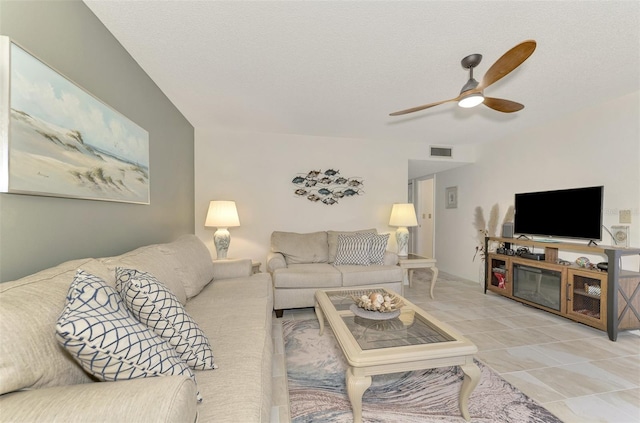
338, 68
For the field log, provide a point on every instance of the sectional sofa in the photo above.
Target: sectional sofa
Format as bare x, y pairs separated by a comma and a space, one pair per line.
40, 381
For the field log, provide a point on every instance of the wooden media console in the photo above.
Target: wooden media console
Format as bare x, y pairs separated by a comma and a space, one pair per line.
607, 300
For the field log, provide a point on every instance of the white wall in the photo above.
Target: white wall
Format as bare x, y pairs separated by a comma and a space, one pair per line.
598, 146
256, 169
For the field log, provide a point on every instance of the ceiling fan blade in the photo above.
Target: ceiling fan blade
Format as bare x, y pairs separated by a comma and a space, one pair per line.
501, 105
507, 63
426, 106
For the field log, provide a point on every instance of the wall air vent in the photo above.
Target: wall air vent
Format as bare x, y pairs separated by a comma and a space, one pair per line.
441, 152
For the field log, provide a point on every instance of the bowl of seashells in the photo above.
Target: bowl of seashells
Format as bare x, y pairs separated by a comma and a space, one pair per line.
377, 306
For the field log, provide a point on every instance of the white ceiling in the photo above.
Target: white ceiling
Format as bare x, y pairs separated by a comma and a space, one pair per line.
338, 68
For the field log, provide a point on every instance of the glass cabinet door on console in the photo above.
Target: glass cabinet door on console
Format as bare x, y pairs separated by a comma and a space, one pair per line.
540, 285
587, 297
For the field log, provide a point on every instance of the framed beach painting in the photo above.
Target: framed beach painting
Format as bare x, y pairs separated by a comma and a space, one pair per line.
56, 139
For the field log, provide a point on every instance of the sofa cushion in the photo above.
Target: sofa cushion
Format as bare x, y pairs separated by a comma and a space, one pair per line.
237, 304
378, 248
98, 331
368, 275
332, 240
158, 260
156, 307
353, 249
318, 275
243, 388
301, 248
236, 315
390, 258
196, 269
30, 356
184, 265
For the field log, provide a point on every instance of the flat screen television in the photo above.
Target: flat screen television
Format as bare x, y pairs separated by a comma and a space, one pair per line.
567, 213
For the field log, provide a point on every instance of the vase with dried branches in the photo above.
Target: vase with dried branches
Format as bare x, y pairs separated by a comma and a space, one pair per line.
490, 228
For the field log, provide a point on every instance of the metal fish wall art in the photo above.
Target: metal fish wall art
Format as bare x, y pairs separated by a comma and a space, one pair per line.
328, 187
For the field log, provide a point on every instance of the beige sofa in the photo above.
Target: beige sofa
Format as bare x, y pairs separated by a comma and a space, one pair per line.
40, 382
302, 263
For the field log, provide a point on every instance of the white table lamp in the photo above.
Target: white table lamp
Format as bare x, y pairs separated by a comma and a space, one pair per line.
222, 215
402, 216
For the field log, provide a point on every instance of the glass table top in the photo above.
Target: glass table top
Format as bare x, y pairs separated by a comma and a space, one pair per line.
409, 328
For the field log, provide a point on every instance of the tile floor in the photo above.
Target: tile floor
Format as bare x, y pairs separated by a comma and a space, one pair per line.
575, 371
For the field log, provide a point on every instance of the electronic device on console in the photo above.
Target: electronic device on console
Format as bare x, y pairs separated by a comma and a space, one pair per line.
525, 253
506, 251
533, 256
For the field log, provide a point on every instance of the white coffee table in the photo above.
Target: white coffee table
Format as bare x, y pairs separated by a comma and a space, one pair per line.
414, 261
413, 341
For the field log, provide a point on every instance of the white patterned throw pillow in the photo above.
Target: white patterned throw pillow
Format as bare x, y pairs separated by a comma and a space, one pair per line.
353, 249
101, 335
159, 309
378, 248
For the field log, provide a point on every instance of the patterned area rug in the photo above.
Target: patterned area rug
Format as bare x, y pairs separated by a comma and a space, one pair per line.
317, 391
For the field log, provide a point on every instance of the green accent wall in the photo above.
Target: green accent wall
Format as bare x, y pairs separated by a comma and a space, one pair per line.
40, 232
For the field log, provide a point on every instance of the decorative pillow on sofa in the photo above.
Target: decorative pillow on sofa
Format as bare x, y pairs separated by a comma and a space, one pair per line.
353, 249
378, 248
156, 307
332, 240
101, 335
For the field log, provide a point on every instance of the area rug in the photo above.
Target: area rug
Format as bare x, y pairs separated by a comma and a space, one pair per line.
317, 391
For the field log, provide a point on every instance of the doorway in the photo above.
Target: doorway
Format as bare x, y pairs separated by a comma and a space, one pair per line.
423, 201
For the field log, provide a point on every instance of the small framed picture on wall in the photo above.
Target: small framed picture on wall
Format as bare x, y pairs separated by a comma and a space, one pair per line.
451, 197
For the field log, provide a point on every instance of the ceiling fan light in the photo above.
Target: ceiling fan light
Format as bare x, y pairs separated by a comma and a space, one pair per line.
472, 100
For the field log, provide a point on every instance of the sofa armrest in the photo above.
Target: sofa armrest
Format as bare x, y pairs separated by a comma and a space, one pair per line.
275, 261
390, 258
154, 399
231, 268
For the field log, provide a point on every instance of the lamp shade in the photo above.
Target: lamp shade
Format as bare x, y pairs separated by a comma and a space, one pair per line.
222, 214
403, 215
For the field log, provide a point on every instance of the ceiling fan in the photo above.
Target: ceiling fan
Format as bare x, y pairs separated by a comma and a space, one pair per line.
472, 94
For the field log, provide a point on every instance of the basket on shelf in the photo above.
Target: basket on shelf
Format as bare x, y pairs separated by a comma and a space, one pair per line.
592, 289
